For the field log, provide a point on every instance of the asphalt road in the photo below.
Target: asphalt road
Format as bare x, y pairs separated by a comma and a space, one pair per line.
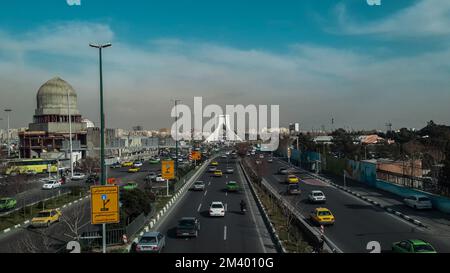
55, 237
357, 222
234, 233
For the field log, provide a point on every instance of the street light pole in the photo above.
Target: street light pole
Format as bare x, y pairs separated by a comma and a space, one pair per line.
7, 133
70, 137
102, 131
176, 137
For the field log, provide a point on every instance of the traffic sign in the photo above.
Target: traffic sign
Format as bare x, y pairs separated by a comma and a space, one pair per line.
105, 205
168, 169
196, 155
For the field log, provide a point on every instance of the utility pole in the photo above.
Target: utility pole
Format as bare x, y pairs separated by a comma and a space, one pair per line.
70, 133
8, 133
102, 131
176, 137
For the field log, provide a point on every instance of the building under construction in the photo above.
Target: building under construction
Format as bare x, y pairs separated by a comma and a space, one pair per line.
49, 133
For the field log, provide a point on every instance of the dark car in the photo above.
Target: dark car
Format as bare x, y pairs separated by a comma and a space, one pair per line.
188, 227
116, 165
282, 170
293, 189
93, 179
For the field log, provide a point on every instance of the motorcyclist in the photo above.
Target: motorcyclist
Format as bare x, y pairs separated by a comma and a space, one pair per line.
243, 205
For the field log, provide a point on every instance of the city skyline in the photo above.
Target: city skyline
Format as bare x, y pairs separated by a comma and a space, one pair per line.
357, 64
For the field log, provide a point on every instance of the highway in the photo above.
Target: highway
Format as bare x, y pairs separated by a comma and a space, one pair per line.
234, 233
54, 238
357, 222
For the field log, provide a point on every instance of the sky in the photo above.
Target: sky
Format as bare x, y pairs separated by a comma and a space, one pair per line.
361, 65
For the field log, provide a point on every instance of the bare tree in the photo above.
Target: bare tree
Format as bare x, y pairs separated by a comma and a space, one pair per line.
89, 164
74, 221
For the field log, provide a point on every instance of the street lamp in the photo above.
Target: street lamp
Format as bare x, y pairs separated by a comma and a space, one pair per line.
7, 134
176, 136
102, 130
100, 47
70, 137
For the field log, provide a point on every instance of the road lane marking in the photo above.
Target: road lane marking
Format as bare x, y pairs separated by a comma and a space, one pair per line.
205, 193
226, 193
225, 233
199, 207
226, 207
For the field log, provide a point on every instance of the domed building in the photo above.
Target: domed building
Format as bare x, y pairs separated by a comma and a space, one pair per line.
50, 130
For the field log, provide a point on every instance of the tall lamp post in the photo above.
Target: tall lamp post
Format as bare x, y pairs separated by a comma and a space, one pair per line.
7, 133
102, 130
176, 137
70, 137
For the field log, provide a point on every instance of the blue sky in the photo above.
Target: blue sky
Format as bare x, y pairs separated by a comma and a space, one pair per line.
362, 65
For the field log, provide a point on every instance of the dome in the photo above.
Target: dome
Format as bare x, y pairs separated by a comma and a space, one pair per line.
52, 98
89, 124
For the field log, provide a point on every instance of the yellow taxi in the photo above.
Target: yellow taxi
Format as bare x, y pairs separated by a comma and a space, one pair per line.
127, 164
134, 170
215, 163
292, 179
322, 216
46, 217
218, 173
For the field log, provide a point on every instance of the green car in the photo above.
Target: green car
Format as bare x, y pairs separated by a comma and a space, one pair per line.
412, 246
154, 161
7, 204
130, 186
232, 186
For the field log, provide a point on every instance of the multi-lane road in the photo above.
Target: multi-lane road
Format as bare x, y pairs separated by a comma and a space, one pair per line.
357, 222
234, 233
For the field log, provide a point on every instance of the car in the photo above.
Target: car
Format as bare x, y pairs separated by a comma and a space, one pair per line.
232, 186
229, 170
93, 179
322, 216
7, 203
151, 242
224, 156
217, 209
218, 173
115, 165
188, 227
52, 184
293, 189
317, 197
292, 179
270, 160
282, 170
127, 164
134, 170
159, 178
418, 202
413, 246
46, 217
261, 156
155, 160
130, 186
78, 176
199, 186
151, 176
215, 163
212, 169
30, 172
137, 164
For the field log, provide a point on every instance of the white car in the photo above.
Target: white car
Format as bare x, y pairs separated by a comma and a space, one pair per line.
137, 164
52, 184
78, 176
159, 179
317, 197
418, 202
217, 209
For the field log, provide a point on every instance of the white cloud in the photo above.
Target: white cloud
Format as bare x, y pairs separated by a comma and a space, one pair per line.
426, 18
311, 83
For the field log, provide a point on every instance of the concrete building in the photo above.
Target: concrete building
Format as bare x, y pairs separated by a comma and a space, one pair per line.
49, 131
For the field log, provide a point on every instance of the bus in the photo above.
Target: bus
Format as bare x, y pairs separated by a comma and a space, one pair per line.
32, 165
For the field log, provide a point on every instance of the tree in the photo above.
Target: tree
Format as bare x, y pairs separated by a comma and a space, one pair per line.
134, 202
444, 181
90, 165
